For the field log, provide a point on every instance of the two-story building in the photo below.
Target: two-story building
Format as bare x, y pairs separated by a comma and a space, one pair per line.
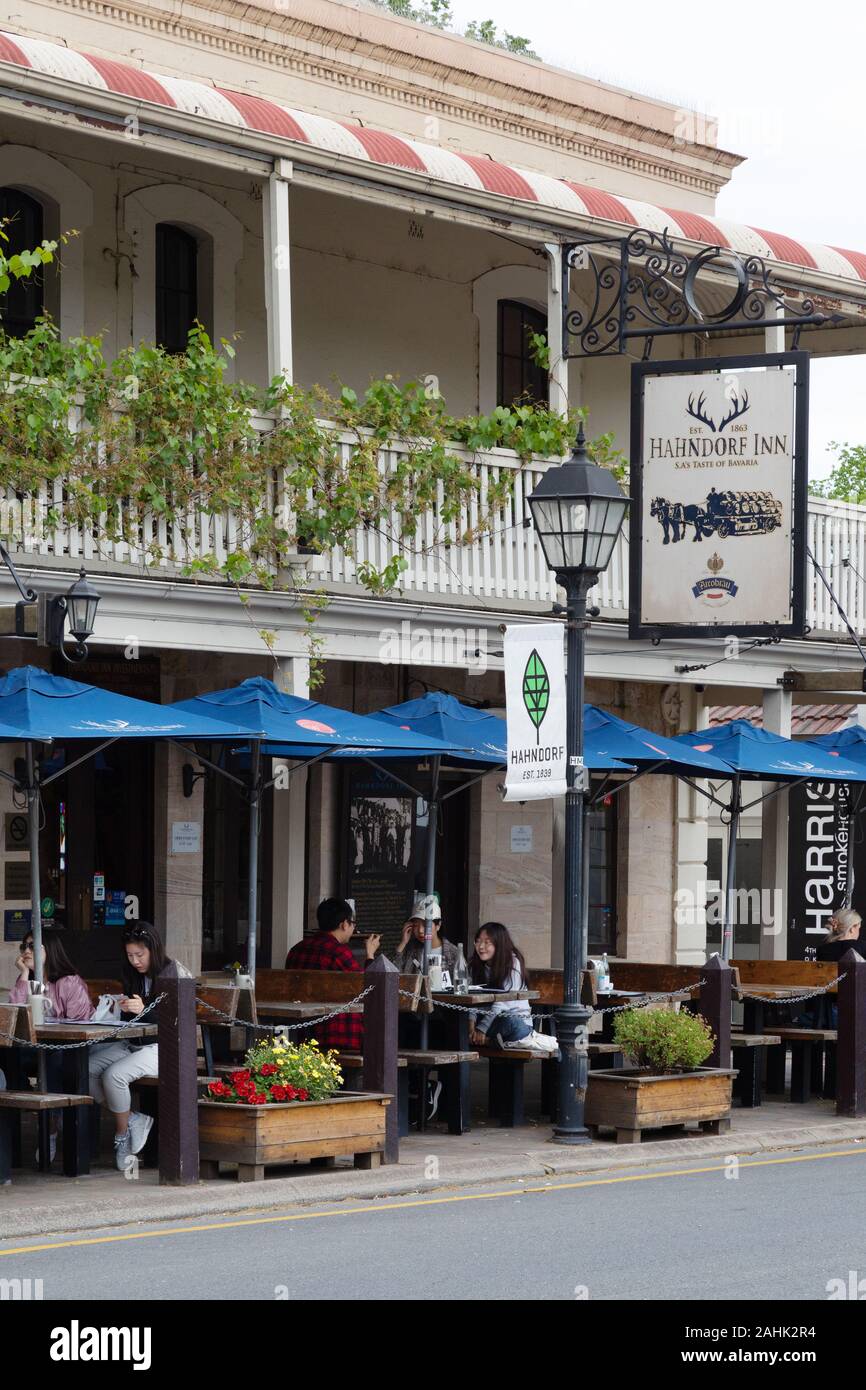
344, 194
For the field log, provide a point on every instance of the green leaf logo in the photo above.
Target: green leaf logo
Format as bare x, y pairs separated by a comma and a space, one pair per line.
536, 690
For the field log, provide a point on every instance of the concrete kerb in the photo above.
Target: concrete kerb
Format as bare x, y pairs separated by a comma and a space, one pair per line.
69, 1210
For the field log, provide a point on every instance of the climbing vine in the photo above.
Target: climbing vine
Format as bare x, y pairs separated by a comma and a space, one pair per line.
157, 449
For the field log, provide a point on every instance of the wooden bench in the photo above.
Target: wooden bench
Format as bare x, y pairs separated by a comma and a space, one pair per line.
812, 1049
16, 1021
338, 987
747, 1086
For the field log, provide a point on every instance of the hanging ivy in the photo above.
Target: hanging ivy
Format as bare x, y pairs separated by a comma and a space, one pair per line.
169, 435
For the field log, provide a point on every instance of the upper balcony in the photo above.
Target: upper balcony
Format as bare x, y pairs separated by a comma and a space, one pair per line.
502, 568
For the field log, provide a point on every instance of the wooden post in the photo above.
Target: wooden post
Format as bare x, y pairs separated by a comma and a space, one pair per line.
714, 1005
380, 1045
178, 1084
851, 1045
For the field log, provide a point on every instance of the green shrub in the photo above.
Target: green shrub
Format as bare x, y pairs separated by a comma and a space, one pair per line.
662, 1040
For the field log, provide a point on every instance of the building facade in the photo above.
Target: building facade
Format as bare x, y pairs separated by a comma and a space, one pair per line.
344, 195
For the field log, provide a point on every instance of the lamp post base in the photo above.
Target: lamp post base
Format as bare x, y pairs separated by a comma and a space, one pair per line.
570, 1136
571, 1030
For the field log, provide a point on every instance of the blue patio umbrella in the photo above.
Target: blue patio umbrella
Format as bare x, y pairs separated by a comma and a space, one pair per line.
307, 731
37, 707
755, 754
609, 735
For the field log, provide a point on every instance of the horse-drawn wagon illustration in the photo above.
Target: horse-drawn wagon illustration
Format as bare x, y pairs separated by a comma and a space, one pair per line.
725, 514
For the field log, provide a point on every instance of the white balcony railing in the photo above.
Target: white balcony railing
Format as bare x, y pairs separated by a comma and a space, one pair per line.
501, 567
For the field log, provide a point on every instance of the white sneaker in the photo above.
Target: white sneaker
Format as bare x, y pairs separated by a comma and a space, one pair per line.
52, 1149
139, 1128
121, 1150
541, 1042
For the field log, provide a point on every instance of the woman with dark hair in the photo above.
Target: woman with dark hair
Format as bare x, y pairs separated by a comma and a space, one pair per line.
115, 1065
498, 963
69, 999
66, 989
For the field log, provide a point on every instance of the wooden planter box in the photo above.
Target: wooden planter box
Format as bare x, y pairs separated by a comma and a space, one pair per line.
253, 1136
631, 1101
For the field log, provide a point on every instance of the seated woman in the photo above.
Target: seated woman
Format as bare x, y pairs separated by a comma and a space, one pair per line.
115, 1065
497, 962
843, 934
843, 931
66, 989
69, 999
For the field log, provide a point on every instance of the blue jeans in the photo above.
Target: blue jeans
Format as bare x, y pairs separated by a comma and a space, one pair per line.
510, 1027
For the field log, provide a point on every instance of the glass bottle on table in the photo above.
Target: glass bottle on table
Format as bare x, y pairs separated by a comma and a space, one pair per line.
461, 972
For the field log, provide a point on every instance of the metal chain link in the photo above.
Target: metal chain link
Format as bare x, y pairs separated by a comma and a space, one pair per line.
286, 1027
116, 1031
640, 1002
792, 998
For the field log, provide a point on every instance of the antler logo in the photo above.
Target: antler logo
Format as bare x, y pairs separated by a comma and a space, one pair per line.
698, 412
715, 563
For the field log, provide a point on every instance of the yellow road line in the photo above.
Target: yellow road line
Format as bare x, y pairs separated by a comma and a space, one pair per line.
381, 1207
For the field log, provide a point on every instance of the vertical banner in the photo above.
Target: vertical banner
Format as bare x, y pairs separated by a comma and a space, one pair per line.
536, 712
825, 848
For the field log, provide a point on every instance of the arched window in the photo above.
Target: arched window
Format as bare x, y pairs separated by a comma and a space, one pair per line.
24, 301
518, 376
176, 286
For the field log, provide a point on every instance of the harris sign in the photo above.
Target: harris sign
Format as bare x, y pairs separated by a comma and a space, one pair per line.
719, 496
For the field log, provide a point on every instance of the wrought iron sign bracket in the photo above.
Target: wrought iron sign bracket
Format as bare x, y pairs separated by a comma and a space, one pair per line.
642, 287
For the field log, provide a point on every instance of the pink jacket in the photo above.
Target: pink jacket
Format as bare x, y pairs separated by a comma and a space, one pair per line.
69, 997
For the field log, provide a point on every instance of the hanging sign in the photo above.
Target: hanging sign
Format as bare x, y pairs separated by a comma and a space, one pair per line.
719, 468
535, 711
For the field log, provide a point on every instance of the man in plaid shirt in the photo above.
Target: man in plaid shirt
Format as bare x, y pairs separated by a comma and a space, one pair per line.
329, 950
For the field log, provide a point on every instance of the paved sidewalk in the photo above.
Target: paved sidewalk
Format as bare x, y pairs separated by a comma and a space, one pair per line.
38, 1205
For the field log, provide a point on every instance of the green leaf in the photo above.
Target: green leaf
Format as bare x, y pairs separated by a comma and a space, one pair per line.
536, 689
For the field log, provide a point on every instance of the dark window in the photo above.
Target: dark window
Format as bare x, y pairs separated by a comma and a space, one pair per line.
24, 301
518, 377
176, 286
601, 828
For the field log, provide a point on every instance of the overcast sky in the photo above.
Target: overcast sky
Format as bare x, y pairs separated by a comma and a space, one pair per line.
787, 84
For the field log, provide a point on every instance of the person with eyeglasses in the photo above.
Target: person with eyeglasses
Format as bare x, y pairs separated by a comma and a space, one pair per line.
69, 998
115, 1065
329, 950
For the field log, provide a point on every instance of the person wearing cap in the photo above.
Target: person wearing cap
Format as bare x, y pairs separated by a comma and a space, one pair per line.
409, 956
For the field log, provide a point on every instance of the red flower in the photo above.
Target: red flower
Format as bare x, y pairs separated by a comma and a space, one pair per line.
291, 1093
238, 1076
219, 1088
268, 1069
260, 1098
278, 1093
303, 1095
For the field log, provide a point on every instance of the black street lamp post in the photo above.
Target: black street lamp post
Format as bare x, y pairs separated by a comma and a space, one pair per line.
578, 511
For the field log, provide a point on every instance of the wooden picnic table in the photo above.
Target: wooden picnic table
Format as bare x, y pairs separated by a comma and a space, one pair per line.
297, 1011
76, 1077
456, 1024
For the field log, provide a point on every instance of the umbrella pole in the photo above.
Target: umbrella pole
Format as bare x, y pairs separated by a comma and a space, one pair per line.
35, 886
733, 827
253, 898
432, 824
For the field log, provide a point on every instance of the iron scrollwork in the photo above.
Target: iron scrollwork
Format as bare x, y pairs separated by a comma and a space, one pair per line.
642, 286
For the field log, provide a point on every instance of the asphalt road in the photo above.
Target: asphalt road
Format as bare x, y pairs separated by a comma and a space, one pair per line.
778, 1227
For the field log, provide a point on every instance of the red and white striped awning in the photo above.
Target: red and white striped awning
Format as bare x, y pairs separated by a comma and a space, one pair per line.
247, 112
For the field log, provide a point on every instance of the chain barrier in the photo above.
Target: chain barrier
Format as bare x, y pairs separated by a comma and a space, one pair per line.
639, 1002
791, 998
117, 1030
284, 1027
